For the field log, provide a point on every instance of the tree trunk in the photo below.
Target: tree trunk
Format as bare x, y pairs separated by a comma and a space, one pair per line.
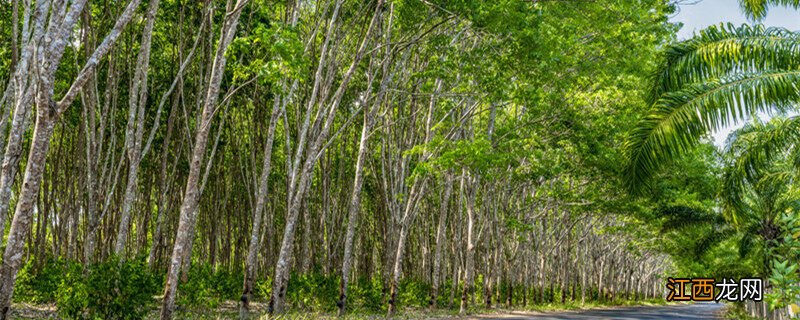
20, 225
135, 129
191, 194
353, 208
440, 235
281, 279
470, 250
261, 199
48, 113
158, 237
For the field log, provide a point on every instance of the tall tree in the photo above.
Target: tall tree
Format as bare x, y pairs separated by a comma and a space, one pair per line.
48, 112
135, 129
192, 192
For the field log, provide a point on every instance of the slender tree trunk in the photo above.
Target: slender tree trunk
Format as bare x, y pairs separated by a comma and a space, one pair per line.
261, 199
158, 237
163, 187
440, 235
20, 225
135, 129
191, 194
14, 34
470, 256
353, 208
355, 200
19, 125
48, 113
21, 85
281, 279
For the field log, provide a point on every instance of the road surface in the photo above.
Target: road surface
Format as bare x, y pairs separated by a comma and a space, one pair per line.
695, 311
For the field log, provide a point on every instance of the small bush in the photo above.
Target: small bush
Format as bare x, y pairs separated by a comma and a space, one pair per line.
207, 288
108, 290
40, 286
414, 293
313, 291
366, 294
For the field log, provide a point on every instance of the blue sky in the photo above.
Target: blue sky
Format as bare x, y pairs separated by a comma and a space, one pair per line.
697, 15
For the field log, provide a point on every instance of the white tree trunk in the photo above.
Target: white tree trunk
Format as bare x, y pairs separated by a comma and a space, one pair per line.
191, 194
135, 129
440, 236
261, 199
281, 279
23, 216
48, 113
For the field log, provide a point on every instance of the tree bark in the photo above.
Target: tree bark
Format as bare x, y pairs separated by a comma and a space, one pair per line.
470, 250
440, 235
191, 194
48, 113
135, 129
20, 225
277, 301
261, 199
158, 237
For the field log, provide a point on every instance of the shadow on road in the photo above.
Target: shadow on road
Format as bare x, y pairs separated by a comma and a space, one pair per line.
694, 311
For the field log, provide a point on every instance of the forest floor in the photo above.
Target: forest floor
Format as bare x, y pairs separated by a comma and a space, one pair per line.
230, 310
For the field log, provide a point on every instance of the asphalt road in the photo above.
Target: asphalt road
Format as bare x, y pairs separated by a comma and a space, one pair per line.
695, 311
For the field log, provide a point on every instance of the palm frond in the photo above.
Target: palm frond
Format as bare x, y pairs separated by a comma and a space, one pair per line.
757, 9
745, 245
679, 119
709, 240
732, 194
758, 166
720, 50
680, 216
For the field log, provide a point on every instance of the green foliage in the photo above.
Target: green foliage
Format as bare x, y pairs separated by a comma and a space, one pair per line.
73, 294
108, 290
757, 9
414, 293
477, 155
40, 285
785, 278
313, 291
785, 274
205, 287
365, 295
723, 75
761, 156
271, 52
317, 292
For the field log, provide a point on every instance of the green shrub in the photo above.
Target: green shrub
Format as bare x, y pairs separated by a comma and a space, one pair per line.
263, 288
313, 291
206, 288
108, 290
72, 295
366, 295
40, 286
414, 293
318, 292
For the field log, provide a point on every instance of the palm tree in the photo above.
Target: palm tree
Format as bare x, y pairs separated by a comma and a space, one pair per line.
761, 170
757, 9
722, 75
760, 183
758, 186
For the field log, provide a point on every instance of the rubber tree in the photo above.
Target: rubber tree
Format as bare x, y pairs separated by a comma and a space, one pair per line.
51, 42
186, 224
